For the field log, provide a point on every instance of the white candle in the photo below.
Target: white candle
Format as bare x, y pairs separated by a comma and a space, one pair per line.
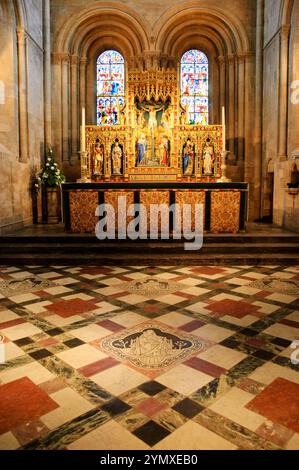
83, 148
223, 130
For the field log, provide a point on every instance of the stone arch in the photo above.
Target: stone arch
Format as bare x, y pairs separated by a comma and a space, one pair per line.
20, 13
177, 21
112, 17
286, 8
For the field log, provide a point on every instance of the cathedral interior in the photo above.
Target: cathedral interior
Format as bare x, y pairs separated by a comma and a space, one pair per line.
137, 341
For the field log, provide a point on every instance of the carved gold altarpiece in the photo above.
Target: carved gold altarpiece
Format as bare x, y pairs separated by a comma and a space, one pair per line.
152, 141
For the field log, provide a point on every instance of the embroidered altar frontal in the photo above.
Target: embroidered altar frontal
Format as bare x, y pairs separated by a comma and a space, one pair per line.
224, 204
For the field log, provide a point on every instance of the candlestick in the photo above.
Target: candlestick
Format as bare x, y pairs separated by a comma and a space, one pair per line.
83, 141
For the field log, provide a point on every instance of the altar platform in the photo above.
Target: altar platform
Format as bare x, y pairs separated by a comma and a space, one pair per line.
224, 204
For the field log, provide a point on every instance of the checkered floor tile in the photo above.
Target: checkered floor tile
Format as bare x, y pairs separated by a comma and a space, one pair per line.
149, 357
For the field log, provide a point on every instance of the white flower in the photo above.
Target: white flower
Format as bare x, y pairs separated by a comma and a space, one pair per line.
55, 164
52, 167
47, 164
49, 159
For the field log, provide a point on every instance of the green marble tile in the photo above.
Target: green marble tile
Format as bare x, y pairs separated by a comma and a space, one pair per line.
244, 368
170, 419
69, 432
134, 397
17, 362
132, 420
85, 387
169, 397
243, 438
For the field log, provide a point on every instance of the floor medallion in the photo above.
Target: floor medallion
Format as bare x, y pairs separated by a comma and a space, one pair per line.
151, 346
277, 284
152, 287
12, 287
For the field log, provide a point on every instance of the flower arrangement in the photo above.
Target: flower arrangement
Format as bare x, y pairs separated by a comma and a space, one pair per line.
51, 175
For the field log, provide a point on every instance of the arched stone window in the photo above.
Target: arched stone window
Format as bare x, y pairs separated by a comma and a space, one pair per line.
194, 80
110, 87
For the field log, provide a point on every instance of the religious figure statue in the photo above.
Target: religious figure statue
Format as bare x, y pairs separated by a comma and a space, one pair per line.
116, 155
165, 119
188, 156
98, 159
152, 111
164, 151
151, 348
208, 159
142, 147
140, 120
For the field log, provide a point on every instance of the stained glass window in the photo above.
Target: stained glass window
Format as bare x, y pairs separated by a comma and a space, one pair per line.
195, 86
110, 87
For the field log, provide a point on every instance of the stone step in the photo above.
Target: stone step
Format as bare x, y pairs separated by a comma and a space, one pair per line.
149, 247
186, 258
89, 238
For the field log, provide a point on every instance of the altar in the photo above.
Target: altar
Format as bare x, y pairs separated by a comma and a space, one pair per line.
154, 153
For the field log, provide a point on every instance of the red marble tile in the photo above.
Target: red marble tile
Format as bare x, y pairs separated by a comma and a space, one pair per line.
185, 296
69, 308
207, 270
255, 342
110, 325
94, 270
42, 293
292, 323
151, 406
220, 285
10, 323
262, 294
279, 402
47, 342
152, 307
99, 366
119, 294
275, 433
26, 432
54, 385
193, 325
235, 308
21, 402
205, 367
251, 386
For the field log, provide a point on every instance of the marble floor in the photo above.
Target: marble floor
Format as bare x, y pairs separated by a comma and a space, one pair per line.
149, 357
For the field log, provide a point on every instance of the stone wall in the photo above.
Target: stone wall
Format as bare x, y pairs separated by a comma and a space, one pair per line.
280, 114
21, 108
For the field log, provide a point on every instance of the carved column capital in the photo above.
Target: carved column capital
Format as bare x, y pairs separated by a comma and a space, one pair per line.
83, 62
74, 60
231, 58
21, 36
221, 60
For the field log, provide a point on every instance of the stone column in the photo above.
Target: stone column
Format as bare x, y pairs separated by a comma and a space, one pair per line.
75, 111
283, 92
23, 94
248, 118
47, 74
65, 83
258, 115
241, 105
57, 105
221, 61
231, 106
83, 64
